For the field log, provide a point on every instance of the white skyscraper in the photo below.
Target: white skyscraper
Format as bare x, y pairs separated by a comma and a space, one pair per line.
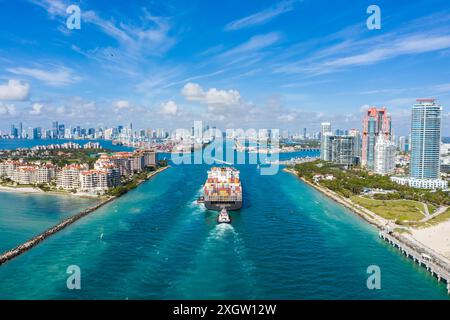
385, 150
325, 151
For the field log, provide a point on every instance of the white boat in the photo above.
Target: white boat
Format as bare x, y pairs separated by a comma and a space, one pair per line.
223, 216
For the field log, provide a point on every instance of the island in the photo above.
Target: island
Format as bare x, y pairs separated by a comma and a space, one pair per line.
70, 168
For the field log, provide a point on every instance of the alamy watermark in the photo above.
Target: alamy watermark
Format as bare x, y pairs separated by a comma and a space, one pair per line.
74, 19
374, 20
374, 280
74, 280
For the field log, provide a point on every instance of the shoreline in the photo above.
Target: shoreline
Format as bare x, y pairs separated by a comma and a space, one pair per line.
37, 191
24, 247
367, 215
408, 241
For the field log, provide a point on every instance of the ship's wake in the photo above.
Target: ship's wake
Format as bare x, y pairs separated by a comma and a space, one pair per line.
221, 255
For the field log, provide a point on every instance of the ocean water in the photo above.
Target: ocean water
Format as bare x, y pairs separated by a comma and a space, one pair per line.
287, 242
23, 216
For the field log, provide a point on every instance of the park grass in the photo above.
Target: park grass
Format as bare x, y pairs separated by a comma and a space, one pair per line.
399, 210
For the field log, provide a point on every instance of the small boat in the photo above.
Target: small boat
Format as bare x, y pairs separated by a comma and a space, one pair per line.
223, 217
201, 200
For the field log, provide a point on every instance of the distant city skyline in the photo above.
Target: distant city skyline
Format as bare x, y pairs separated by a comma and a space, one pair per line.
287, 64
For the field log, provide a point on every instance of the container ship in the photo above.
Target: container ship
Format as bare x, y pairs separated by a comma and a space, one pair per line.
222, 189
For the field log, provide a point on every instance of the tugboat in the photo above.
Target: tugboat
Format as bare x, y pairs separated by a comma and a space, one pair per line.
201, 200
223, 217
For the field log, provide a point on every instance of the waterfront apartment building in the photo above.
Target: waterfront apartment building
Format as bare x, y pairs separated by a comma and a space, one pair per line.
27, 173
340, 149
425, 139
343, 150
421, 183
376, 122
113, 173
425, 147
385, 152
94, 181
324, 142
69, 176
357, 142
132, 162
8, 167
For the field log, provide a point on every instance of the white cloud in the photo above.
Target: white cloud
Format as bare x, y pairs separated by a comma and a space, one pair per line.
121, 104
7, 109
286, 118
60, 76
212, 97
261, 17
169, 108
14, 90
255, 43
151, 38
60, 110
36, 109
365, 52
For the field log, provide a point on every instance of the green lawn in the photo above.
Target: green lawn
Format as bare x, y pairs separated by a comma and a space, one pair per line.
400, 210
431, 208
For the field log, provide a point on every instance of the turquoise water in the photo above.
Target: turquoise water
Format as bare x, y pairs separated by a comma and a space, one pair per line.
287, 242
23, 216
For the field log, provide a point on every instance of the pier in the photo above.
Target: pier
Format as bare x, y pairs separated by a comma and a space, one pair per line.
432, 263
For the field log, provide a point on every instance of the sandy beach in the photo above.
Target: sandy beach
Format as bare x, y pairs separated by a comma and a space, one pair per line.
436, 237
21, 190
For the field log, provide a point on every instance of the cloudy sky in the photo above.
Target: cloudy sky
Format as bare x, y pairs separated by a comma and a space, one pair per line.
243, 64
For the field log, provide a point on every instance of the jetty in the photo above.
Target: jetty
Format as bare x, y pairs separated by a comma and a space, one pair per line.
17, 251
426, 259
11, 254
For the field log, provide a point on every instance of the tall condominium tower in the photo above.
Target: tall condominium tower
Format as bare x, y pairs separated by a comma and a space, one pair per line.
425, 139
324, 143
355, 133
385, 151
376, 122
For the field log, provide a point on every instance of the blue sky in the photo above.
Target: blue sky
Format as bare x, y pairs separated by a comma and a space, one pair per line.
243, 64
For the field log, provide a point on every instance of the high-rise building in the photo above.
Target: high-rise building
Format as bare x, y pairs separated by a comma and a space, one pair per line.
425, 139
55, 129
401, 145
357, 143
13, 132
343, 150
376, 122
325, 141
385, 150
424, 142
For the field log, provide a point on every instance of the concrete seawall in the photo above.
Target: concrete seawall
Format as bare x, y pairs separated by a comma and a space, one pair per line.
11, 254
